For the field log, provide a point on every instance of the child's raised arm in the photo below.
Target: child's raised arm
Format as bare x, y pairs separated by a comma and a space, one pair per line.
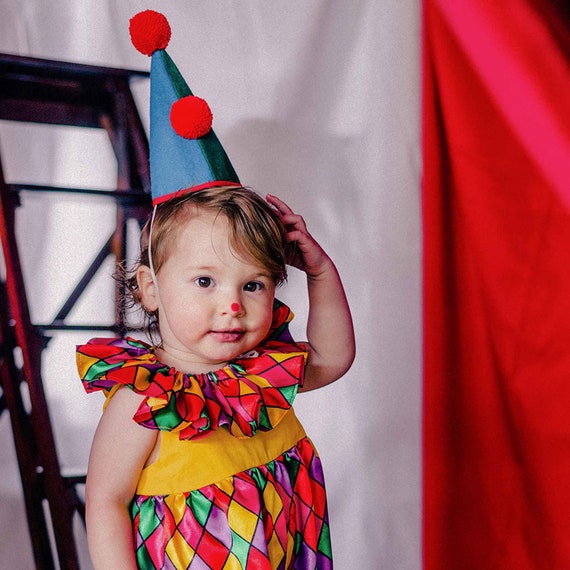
330, 333
119, 452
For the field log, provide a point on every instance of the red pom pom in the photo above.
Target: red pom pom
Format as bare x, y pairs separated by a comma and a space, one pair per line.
150, 31
191, 117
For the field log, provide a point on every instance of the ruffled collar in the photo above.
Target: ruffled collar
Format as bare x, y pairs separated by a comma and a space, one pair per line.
251, 393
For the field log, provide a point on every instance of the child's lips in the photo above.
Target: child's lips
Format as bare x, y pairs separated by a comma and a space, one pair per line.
233, 335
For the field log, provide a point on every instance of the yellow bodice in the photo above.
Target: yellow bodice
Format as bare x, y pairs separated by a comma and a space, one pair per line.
186, 465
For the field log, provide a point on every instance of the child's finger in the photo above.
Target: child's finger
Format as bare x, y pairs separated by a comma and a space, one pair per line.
279, 205
288, 217
294, 220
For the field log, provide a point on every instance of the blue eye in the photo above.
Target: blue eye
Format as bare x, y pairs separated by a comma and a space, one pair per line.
204, 282
253, 286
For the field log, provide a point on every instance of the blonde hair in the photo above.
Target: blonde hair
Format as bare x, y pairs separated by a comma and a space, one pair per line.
256, 232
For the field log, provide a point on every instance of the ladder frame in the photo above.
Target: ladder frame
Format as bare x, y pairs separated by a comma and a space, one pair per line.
50, 92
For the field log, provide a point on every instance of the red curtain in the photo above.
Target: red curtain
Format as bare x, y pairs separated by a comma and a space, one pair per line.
496, 205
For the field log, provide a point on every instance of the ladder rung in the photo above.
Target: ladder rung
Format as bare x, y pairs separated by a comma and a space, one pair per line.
74, 479
65, 327
128, 194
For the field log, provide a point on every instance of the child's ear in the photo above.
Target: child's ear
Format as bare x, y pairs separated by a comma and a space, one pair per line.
147, 288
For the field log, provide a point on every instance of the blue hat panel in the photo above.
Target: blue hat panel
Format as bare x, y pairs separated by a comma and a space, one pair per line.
176, 163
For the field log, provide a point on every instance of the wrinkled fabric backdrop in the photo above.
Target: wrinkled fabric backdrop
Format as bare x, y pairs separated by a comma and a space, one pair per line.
315, 101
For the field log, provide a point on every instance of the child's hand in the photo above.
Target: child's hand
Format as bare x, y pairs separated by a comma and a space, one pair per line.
330, 333
304, 252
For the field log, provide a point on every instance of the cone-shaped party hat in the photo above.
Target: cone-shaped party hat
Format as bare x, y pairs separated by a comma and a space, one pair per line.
185, 154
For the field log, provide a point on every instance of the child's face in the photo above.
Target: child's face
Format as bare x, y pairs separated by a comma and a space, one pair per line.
213, 304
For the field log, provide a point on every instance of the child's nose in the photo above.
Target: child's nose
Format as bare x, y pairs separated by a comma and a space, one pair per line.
235, 309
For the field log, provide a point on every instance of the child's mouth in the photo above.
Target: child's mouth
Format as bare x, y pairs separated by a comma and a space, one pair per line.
228, 336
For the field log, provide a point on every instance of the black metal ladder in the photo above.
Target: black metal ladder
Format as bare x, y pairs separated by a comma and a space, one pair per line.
51, 92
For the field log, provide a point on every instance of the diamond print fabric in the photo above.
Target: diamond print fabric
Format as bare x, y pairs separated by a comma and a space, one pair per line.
269, 517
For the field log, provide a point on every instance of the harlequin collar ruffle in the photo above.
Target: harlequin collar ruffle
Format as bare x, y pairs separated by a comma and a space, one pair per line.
248, 394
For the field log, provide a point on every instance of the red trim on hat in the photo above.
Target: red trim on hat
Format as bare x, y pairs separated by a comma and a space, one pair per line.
192, 189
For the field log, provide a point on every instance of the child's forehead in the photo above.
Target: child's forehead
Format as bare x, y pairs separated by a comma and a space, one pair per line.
196, 219
199, 233
209, 235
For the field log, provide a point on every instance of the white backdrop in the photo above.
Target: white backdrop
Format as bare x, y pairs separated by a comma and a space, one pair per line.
315, 101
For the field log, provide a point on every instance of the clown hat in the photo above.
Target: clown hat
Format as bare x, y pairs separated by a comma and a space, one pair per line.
185, 154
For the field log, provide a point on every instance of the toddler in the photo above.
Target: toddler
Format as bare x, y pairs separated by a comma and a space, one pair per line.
198, 460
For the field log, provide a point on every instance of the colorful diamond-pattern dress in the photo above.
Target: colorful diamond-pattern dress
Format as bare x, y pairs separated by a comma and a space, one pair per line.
237, 484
